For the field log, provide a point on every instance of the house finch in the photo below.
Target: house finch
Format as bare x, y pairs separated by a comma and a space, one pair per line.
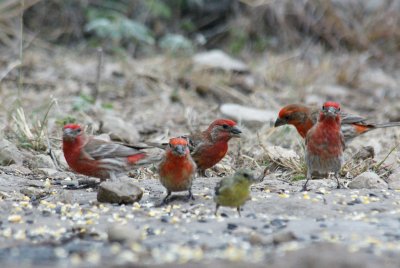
177, 169
95, 157
325, 144
304, 117
210, 146
233, 191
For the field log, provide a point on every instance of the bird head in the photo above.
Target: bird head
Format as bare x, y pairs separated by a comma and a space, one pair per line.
178, 146
224, 129
330, 109
292, 114
71, 132
245, 176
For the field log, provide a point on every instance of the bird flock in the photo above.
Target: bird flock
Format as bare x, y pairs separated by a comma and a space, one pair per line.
326, 130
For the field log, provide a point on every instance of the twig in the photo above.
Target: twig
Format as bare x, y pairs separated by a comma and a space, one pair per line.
21, 48
377, 166
51, 153
98, 74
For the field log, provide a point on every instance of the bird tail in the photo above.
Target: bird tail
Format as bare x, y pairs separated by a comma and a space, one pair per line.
162, 145
388, 124
134, 159
145, 159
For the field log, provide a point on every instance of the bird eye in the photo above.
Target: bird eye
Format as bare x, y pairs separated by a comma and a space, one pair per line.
323, 107
225, 126
287, 117
78, 130
246, 175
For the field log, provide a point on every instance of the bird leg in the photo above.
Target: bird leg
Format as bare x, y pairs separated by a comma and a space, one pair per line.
338, 182
166, 199
190, 195
202, 172
309, 176
216, 209
238, 210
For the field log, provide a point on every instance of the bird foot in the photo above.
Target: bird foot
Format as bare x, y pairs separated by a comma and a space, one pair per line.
341, 186
190, 197
166, 199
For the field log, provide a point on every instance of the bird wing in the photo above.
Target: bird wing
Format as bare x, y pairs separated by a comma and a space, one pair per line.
100, 149
351, 119
223, 185
342, 140
195, 141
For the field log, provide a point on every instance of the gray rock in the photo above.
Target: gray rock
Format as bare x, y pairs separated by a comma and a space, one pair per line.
9, 153
18, 169
122, 233
34, 193
283, 237
364, 153
40, 161
217, 59
247, 114
368, 180
118, 128
121, 192
394, 180
48, 171
59, 155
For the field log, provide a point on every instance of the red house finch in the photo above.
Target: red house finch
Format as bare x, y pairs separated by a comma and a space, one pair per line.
94, 157
210, 146
177, 169
303, 118
325, 144
234, 191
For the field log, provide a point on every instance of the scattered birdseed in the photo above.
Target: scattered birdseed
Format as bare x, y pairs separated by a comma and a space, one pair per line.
15, 218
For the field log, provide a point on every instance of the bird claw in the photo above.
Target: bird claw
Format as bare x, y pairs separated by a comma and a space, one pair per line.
304, 189
190, 197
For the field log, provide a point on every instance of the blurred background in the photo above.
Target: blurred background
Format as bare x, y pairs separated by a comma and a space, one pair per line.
188, 58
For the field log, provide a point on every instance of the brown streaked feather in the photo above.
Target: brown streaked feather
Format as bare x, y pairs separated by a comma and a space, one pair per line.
100, 149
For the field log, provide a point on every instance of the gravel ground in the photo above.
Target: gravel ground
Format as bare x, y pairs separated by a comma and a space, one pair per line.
68, 227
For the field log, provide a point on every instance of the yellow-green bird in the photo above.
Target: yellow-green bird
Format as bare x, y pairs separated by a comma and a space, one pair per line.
234, 191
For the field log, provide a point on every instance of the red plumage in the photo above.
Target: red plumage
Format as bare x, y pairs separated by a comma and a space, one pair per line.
304, 117
177, 169
211, 145
95, 157
325, 143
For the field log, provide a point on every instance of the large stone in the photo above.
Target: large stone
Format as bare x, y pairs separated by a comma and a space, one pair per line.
118, 128
368, 180
247, 114
34, 193
217, 59
9, 153
121, 192
122, 233
40, 161
394, 180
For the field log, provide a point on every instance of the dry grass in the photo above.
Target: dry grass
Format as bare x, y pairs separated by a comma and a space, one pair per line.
32, 136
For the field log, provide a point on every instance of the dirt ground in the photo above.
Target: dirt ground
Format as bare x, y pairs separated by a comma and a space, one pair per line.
45, 223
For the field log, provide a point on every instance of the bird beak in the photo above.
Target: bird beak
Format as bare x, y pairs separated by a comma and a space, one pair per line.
235, 132
68, 134
331, 111
280, 122
180, 149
